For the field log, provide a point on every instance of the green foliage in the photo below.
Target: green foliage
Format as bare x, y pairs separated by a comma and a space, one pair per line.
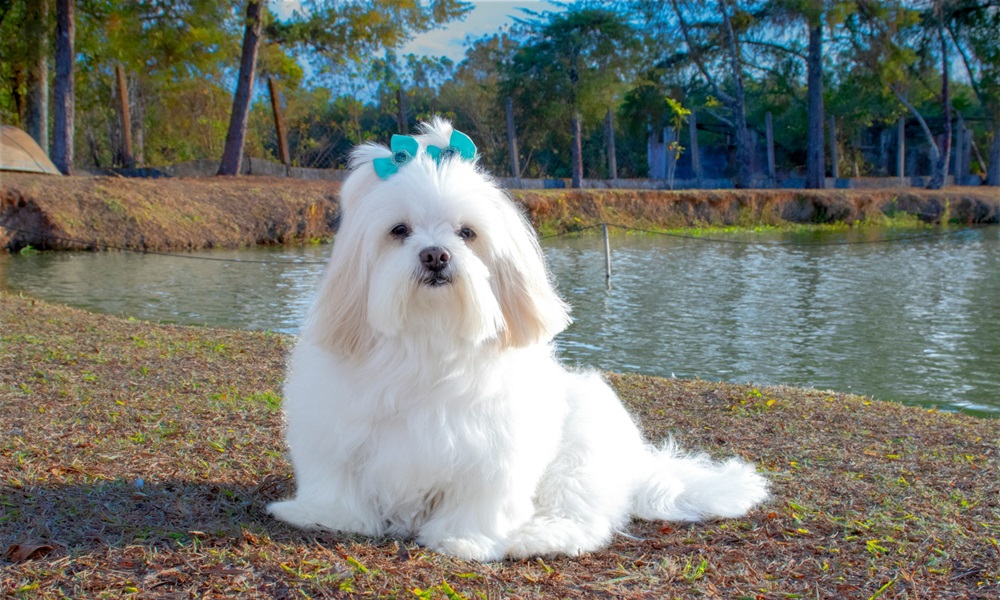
581, 61
180, 59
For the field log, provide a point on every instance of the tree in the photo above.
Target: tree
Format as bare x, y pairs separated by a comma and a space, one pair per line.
64, 98
813, 14
25, 42
576, 63
338, 33
714, 47
177, 56
815, 162
232, 156
887, 41
476, 100
973, 27
941, 168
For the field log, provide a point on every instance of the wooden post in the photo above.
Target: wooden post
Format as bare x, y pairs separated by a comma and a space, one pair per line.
609, 122
279, 122
963, 152
669, 156
769, 131
515, 163
695, 154
607, 254
138, 111
400, 113
901, 149
834, 157
125, 117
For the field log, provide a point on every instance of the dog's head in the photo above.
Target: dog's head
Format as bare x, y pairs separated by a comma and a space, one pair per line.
428, 245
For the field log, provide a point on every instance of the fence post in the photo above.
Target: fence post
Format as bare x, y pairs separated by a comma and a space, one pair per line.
515, 164
279, 122
901, 149
769, 130
607, 254
609, 121
695, 156
834, 157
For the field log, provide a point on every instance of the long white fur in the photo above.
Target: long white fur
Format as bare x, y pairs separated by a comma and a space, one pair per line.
441, 412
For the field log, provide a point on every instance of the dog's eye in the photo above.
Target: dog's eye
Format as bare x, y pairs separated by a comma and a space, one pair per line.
466, 233
401, 231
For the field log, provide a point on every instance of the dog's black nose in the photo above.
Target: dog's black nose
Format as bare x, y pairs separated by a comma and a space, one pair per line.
434, 258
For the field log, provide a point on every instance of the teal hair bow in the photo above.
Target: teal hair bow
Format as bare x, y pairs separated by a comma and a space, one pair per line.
459, 145
404, 148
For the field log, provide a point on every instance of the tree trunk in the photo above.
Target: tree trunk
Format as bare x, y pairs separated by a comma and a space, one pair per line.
576, 151
37, 114
944, 156
815, 160
64, 94
515, 164
125, 116
232, 155
741, 134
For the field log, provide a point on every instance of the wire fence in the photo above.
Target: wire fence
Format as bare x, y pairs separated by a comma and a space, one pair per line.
98, 245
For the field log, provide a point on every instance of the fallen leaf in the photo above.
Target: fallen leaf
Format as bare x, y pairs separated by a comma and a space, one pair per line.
27, 551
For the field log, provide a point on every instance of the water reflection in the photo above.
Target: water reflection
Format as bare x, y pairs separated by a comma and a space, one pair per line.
914, 320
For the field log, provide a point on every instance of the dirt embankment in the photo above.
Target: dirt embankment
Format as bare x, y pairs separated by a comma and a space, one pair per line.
564, 209
154, 214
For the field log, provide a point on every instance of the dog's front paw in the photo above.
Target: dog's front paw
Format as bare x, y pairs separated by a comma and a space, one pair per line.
295, 513
310, 515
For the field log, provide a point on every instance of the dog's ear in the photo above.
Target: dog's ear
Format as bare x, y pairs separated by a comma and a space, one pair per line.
532, 310
338, 319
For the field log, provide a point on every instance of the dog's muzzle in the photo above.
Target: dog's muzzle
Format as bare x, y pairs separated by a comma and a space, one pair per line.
436, 262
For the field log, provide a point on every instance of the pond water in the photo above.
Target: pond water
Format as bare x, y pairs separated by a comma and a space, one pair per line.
915, 320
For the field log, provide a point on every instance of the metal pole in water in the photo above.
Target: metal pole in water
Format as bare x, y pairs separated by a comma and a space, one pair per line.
607, 254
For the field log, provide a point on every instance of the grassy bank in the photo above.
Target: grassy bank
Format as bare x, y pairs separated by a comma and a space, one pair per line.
103, 212
136, 459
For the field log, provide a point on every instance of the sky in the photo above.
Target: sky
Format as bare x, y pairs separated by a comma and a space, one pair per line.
487, 17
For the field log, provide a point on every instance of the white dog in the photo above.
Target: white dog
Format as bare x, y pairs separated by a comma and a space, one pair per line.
424, 399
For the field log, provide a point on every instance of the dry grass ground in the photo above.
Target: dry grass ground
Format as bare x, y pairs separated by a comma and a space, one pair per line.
136, 460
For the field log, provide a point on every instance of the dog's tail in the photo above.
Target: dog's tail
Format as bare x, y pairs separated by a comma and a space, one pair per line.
681, 487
